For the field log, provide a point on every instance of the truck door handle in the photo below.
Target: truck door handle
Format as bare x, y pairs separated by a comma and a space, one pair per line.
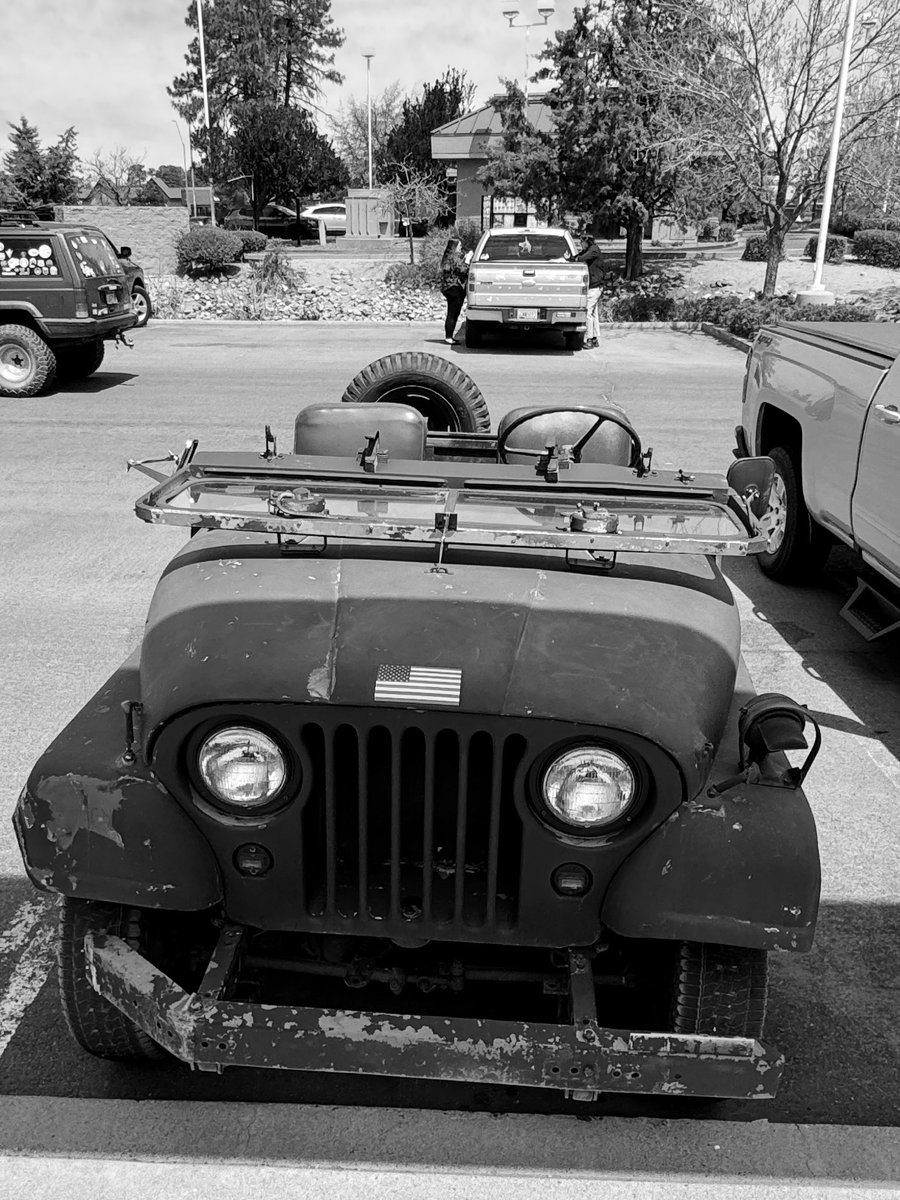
889, 413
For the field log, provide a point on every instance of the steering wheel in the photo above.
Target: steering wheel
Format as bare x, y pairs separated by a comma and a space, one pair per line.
602, 415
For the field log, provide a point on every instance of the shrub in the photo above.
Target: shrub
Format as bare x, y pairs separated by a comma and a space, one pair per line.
708, 229
209, 250
727, 230
756, 249
834, 248
643, 307
432, 248
404, 274
274, 270
252, 241
713, 309
877, 247
848, 224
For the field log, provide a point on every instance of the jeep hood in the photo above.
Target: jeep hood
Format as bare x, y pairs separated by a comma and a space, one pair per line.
651, 647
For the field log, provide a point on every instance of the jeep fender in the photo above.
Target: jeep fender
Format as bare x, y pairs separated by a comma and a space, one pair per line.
20, 312
94, 826
740, 869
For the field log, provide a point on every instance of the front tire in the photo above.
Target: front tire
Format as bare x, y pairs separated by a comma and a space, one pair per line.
720, 990
795, 546
140, 298
80, 361
94, 1023
27, 364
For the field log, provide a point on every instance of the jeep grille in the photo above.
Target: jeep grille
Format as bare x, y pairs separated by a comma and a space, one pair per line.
412, 825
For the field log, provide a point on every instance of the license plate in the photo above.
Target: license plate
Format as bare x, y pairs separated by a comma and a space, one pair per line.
526, 314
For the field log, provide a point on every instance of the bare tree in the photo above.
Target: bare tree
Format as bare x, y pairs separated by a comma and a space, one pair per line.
350, 131
760, 78
414, 195
121, 170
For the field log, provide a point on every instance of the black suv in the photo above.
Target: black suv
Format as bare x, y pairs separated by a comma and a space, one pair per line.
63, 292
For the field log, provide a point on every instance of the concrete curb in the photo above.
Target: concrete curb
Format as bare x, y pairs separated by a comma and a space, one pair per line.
393, 1139
724, 335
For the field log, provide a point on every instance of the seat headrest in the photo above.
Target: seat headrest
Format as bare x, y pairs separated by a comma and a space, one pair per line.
610, 444
341, 430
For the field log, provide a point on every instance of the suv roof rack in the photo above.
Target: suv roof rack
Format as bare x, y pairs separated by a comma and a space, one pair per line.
18, 216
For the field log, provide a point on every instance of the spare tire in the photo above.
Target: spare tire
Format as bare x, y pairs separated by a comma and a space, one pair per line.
445, 396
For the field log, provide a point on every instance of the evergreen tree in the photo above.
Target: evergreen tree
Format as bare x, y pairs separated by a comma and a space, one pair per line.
33, 175
409, 141
527, 165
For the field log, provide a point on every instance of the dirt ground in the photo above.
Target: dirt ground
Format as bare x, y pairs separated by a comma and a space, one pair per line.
847, 280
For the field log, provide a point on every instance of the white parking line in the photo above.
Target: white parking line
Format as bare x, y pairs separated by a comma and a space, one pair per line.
30, 971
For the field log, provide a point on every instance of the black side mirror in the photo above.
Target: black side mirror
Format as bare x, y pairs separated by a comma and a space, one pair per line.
124, 252
752, 479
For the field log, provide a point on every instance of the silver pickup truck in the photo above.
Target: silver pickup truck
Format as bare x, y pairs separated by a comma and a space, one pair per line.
823, 401
521, 279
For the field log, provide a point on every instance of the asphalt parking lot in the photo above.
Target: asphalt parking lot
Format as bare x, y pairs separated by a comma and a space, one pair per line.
78, 570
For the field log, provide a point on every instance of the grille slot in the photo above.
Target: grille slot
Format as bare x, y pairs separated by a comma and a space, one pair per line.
411, 825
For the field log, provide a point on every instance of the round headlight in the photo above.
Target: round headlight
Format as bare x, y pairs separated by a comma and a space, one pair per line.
242, 767
588, 786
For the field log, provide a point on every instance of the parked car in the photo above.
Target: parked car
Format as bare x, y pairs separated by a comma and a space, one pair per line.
519, 280
275, 220
140, 296
63, 293
438, 760
822, 399
333, 214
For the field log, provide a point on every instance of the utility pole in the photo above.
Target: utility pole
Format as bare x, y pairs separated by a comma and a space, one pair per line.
368, 55
212, 199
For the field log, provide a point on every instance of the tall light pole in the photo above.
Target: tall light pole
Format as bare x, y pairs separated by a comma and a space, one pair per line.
212, 201
817, 293
368, 54
192, 208
545, 12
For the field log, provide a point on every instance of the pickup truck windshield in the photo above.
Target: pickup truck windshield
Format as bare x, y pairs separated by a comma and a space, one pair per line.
531, 246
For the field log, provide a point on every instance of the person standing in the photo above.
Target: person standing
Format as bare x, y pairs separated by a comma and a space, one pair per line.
454, 276
590, 256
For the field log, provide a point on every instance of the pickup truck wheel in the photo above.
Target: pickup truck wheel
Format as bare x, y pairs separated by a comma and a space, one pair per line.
97, 1025
474, 335
80, 361
795, 545
140, 298
27, 364
720, 990
574, 341
438, 389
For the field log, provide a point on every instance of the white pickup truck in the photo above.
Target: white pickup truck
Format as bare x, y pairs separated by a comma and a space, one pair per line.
522, 279
823, 401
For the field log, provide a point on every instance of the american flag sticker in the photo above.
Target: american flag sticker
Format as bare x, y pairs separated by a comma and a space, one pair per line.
418, 685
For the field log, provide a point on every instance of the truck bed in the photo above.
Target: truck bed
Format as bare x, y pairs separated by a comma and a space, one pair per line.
876, 337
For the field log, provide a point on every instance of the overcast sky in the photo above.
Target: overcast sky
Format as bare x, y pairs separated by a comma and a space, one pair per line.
103, 65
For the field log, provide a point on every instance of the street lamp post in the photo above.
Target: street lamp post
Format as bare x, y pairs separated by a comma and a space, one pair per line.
212, 202
368, 54
817, 293
545, 12
188, 188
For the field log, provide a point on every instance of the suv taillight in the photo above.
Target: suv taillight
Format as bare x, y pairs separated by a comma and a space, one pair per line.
81, 305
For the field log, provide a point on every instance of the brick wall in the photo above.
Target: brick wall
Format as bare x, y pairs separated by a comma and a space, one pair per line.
150, 231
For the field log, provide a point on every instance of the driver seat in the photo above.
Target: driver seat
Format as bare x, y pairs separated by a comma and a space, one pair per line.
610, 444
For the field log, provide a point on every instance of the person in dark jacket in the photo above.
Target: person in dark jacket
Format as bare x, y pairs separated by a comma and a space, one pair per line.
454, 276
590, 256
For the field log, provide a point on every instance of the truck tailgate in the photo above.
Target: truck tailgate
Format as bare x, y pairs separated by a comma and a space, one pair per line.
548, 285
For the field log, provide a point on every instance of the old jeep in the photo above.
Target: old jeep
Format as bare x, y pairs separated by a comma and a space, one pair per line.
63, 292
455, 721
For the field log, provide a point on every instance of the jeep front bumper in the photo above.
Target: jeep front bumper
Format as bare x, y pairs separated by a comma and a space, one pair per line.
583, 1059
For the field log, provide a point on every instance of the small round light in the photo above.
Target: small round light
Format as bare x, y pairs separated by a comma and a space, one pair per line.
588, 787
242, 767
571, 879
253, 860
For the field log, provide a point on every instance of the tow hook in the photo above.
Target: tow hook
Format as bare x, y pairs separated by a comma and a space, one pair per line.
120, 337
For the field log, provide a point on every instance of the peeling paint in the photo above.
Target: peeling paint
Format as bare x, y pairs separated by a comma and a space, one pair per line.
77, 803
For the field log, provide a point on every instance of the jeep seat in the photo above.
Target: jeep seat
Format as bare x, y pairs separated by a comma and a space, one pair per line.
610, 444
341, 430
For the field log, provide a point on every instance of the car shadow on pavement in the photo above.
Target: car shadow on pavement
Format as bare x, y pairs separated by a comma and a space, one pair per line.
97, 383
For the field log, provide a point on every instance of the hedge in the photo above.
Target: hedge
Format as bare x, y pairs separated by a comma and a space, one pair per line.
727, 230
253, 242
207, 249
834, 248
756, 249
877, 247
850, 223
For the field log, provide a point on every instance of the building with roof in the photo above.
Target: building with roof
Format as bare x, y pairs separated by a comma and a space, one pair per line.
465, 142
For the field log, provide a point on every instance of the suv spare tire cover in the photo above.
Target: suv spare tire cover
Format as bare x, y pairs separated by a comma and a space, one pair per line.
435, 387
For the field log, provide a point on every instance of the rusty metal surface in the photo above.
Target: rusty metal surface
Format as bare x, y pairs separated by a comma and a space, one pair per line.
212, 1033
93, 823
740, 868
